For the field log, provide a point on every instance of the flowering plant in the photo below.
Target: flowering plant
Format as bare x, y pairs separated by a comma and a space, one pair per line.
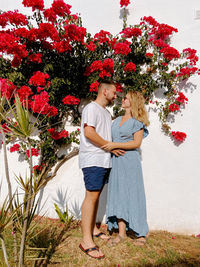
53, 62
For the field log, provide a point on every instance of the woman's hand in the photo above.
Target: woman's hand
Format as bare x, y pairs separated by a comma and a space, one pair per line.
109, 146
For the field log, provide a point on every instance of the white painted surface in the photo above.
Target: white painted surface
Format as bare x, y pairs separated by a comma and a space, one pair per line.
171, 173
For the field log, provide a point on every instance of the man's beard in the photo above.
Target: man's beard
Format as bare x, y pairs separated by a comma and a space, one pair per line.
110, 103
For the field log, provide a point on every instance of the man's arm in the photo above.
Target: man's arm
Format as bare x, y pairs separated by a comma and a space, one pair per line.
93, 136
97, 140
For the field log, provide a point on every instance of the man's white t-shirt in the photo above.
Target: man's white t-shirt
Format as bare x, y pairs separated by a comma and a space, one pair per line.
91, 155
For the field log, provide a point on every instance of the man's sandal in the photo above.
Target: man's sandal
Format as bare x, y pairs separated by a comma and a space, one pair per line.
86, 251
100, 236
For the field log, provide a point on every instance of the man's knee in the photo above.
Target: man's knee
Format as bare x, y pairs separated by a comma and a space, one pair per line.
92, 195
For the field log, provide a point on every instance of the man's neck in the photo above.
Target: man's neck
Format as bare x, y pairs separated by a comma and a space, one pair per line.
102, 102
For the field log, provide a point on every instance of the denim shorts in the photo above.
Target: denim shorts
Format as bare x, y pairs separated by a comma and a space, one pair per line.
95, 177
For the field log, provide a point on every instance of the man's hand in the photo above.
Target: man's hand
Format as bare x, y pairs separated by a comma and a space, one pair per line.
118, 152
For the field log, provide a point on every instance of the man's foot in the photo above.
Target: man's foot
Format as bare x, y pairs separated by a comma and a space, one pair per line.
93, 252
115, 241
102, 236
140, 241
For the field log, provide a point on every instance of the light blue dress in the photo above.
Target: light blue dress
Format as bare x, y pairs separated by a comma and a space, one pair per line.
126, 195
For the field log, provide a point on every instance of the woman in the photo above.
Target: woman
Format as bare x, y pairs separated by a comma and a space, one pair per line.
126, 206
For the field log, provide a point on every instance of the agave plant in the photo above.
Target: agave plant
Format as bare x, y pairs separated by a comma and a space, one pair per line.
22, 128
6, 219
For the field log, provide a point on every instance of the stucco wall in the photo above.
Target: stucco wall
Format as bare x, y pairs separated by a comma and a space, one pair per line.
171, 172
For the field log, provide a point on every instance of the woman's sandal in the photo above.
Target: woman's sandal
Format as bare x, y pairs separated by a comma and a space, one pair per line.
115, 241
140, 241
86, 251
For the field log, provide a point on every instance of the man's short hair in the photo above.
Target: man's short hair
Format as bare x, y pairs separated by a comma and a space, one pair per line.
108, 82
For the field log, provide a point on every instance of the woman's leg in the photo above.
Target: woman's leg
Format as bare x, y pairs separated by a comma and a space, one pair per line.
122, 233
122, 228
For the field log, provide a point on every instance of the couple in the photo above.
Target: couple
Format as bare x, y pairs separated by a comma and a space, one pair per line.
126, 205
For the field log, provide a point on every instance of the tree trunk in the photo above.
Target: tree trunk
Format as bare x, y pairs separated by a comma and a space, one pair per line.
10, 195
27, 211
4, 251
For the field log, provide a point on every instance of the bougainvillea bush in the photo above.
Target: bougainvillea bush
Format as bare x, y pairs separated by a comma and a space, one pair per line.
50, 60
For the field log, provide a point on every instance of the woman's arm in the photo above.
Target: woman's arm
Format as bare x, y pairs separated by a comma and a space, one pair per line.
127, 145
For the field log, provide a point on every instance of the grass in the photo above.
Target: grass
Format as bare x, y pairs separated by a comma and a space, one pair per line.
57, 246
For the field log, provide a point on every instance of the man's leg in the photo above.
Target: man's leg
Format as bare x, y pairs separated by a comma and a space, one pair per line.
95, 228
88, 217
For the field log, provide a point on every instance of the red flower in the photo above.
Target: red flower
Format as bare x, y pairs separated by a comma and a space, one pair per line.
119, 87
71, 100
94, 86
62, 46
35, 58
35, 152
173, 107
124, 3
35, 4
179, 136
40, 105
24, 92
187, 71
60, 8
150, 20
102, 36
7, 88
58, 135
91, 46
75, 33
5, 128
96, 65
50, 15
170, 53
181, 98
104, 73
108, 65
13, 17
38, 79
14, 148
37, 167
149, 55
160, 43
130, 32
46, 30
191, 55
130, 67
122, 48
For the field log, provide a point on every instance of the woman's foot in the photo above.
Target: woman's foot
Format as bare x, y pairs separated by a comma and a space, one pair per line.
115, 241
140, 241
91, 250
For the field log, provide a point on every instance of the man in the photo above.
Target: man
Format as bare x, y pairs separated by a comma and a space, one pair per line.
95, 162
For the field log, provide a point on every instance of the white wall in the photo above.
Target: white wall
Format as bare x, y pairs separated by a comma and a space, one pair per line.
171, 172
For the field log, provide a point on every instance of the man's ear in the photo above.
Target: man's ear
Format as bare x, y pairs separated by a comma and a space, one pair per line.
104, 91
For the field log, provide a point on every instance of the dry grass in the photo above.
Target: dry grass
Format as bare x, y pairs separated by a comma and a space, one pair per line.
162, 249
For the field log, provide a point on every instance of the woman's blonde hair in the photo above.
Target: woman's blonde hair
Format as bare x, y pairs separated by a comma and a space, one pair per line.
138, 109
